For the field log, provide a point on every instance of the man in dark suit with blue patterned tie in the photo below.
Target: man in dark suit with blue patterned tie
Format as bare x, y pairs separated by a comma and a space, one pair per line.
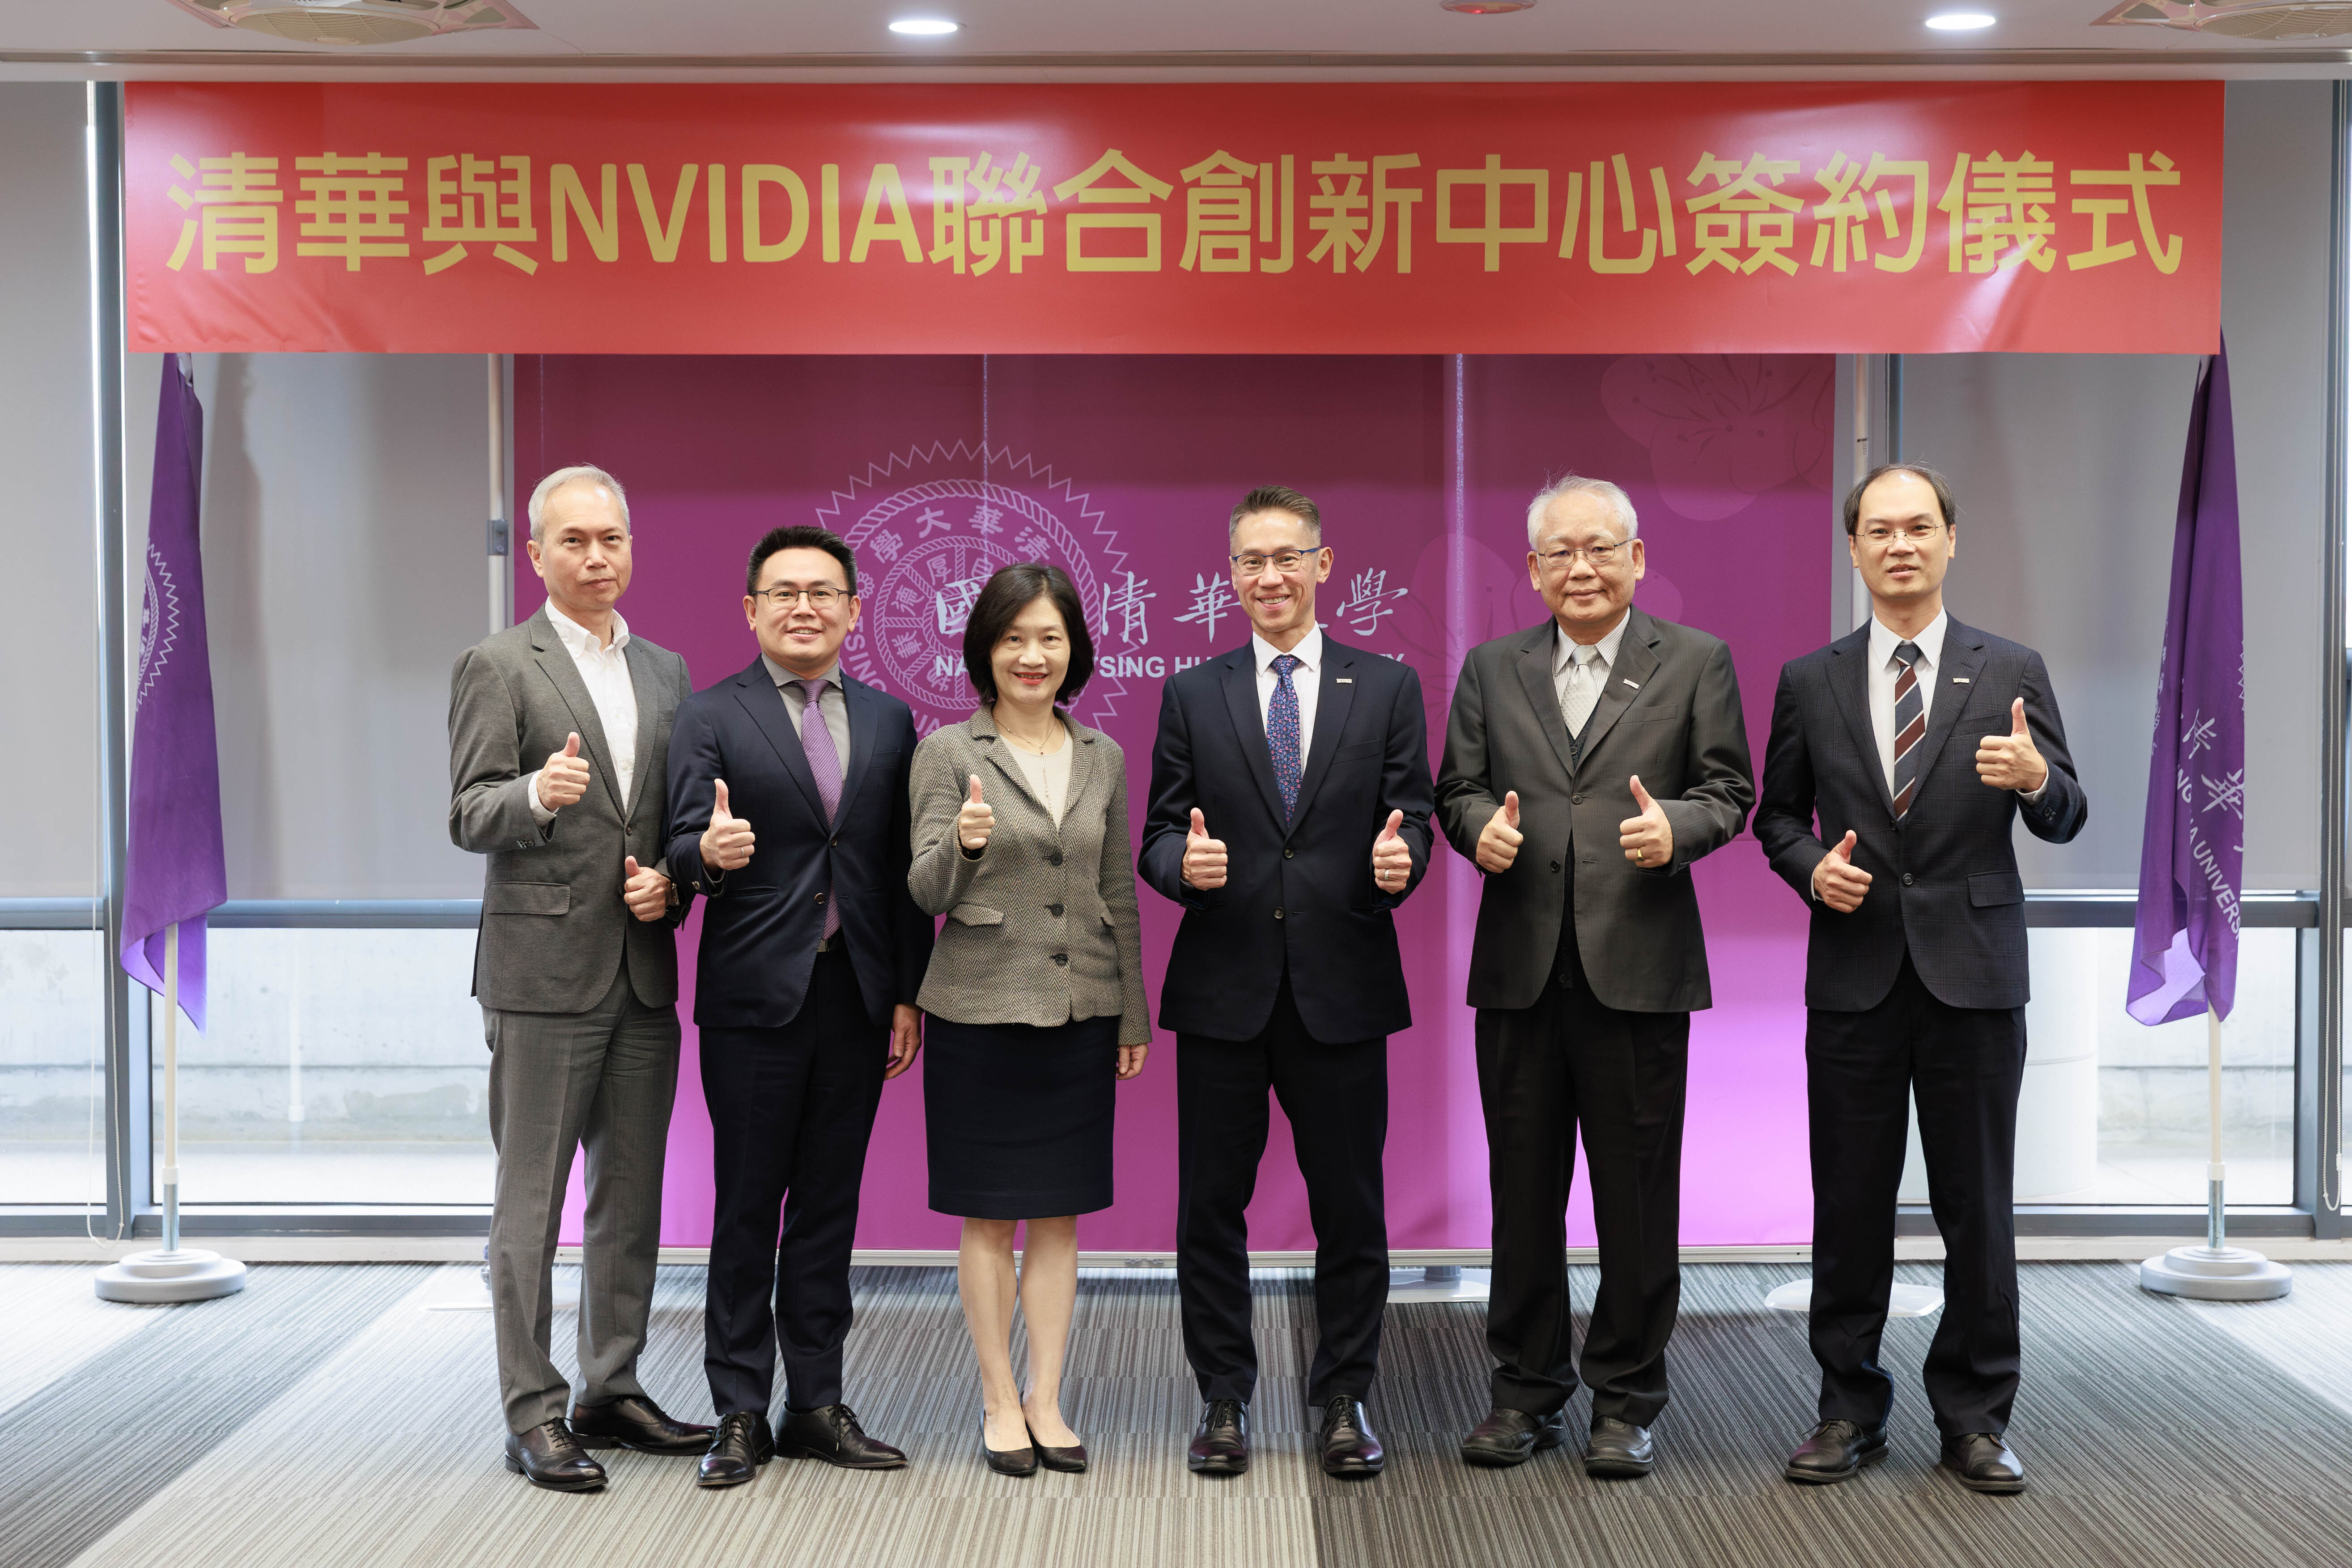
789, 813
1289, 814
1917, 742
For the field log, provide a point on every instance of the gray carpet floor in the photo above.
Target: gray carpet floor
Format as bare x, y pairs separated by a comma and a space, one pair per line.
338, 1415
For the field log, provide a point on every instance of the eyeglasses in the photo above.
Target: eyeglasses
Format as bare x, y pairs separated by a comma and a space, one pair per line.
1286, 562
1600, 555
819, 599
1914, 533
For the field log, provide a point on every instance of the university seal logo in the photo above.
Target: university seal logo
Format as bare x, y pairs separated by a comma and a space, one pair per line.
929, 526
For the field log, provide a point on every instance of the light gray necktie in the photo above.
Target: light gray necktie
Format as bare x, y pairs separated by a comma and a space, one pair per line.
1583, 693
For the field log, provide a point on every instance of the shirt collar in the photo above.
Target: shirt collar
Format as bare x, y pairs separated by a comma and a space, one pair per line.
782, 677
579, 638
1883, 642
1563, 650
1308, 653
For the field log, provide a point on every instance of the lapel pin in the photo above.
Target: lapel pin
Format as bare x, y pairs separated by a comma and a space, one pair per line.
1634, 684
1343, 680
1960, 680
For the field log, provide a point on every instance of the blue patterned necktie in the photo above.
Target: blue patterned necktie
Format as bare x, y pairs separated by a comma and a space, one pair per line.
1282, 733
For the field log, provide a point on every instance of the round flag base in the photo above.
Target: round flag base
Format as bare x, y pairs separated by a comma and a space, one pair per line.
2209, 1274
190, 1273
1902, 1301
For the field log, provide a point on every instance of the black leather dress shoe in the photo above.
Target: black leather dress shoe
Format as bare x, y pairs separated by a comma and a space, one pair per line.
1508, 1437
1835, 1451
1070, 1461
1619, 1450
742, 1445
1984, 1463
832, 1433
1351, 1449
1220, 1442
635, 1422
549, 1455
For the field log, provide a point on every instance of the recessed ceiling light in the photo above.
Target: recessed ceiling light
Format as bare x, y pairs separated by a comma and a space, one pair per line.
1960, 21
923, 27
1487, 7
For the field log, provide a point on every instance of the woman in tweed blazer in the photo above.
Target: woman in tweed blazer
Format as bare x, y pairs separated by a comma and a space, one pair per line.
1034, 990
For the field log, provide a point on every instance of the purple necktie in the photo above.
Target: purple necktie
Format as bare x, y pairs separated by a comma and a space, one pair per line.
1282, 733
825, 765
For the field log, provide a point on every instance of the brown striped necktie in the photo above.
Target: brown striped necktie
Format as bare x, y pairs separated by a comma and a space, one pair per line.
1910, 727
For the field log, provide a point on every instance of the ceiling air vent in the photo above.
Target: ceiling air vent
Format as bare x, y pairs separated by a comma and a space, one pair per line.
2270, 20
356, 23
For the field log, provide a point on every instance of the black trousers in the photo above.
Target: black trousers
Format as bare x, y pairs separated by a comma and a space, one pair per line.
1963, 1066
790, 1112
1337, 1098
1544, 1071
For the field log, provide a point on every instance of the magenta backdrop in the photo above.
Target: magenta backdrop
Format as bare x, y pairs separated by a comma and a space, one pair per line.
1121, 469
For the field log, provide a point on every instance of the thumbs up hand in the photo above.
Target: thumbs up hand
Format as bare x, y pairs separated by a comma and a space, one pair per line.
1205, 857
645, 890
1838, 881
1392, 857
727, 843
565, 777
1499, 840
2010, 762
1647, 839
976, 820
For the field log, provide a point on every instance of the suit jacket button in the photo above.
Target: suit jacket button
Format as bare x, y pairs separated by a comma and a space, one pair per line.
1062, 958
1287, 852
820, 898
1055, 858
1576, 800
834, 841
1554, 865
1053, 909
1277, 914
1907, 878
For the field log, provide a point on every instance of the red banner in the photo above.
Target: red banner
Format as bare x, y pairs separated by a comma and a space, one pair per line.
1286, 218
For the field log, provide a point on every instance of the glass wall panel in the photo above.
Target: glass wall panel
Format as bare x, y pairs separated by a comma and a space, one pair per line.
341, 1067
52, 1141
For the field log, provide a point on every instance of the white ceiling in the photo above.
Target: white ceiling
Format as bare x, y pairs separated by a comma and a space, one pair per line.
1126, 38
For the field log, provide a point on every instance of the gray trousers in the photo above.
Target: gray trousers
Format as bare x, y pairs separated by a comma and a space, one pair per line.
602, 1080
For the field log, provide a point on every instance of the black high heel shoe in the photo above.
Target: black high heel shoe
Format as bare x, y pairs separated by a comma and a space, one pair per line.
1070, 1461
1008, 1462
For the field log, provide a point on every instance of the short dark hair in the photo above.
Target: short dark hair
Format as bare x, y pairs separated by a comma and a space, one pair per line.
1278, 498
1010, 590
801, 536
1935, 481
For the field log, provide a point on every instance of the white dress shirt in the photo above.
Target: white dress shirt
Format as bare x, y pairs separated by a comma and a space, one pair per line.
605, 670
833, 706
1563, 662
1306, 681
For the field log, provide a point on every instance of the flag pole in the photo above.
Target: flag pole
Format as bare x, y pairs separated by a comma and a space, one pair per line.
172, 1273
2215, 1213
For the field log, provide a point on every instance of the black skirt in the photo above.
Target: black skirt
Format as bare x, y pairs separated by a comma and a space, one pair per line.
1017, 1119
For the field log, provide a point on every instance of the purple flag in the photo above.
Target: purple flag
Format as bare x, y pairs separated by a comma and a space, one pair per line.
2192, 854
175, 870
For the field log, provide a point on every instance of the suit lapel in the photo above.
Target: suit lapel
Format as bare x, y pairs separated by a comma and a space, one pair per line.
982, 725
1333, 703
1082, 763
765, 704
1964, 656
1850, 689
1240, 681
1534, 661
1637, 661
555, 661
865, 723
642, 681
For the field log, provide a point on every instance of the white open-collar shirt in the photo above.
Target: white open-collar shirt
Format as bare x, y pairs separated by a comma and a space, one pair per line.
605, 670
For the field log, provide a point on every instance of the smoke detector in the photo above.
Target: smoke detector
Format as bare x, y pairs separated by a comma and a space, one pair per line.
2271, 20
355, 23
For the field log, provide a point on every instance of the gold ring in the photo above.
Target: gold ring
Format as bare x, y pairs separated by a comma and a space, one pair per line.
1637, 856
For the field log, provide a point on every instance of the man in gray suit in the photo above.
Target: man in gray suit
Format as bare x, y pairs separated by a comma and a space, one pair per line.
559, 741
1589, 761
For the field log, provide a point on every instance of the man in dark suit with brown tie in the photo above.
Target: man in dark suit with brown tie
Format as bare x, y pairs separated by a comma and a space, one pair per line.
1917, 742
1589, 761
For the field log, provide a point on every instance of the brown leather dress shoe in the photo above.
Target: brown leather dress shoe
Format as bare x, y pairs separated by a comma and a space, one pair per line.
743, 1444
1508, 1436
549, 1455
635, 1422
832, 1433
1836, 1449
1984, 1463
